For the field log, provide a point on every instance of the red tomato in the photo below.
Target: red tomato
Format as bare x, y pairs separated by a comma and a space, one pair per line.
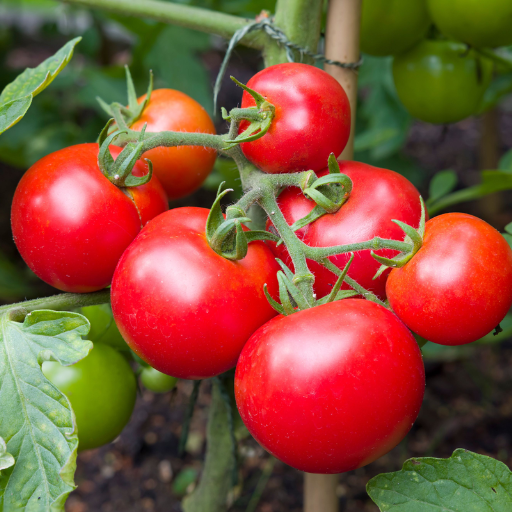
378, 196
183, 308
312, 118
458, 286
71, 224
182, 169
331, 388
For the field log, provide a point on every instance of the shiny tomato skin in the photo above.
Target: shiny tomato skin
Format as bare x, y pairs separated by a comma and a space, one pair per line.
312, 118
182, 169
474, 22
331, 388
181, 307
102, 390
458, 286
378, 196
71, 225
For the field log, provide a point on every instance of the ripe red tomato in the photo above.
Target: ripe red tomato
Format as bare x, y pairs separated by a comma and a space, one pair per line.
474, 22
389, 27
441, 81
378, 196
183, 308
312, 118
71, 224
182, 169
102, 390
331, 388
458, 286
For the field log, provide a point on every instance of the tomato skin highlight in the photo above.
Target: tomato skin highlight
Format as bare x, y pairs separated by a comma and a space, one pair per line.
458, 286
71, 225
378, 196
182, 169
474, 22
312, 118
180, 306
389, 27
331, 388
441, 81
102, 390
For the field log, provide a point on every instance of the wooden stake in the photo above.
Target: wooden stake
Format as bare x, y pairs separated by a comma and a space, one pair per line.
342, 44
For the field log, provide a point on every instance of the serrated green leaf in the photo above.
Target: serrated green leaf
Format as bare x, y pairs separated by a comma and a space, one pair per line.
17, 96
466, 482
37, 421
6, 459
441, 184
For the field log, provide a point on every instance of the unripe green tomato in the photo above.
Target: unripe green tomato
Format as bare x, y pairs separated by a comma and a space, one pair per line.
389, 27
103, 328
441, 81
102, 390
479, 23
156, 381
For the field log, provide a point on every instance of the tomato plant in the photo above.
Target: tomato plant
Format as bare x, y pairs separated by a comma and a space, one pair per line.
103, 328
311, 121
182, 169
441, 81
156, 381
378, 196
391, 27
102, 391
309, 387
183, 308
458, 287
71, 224
474, 22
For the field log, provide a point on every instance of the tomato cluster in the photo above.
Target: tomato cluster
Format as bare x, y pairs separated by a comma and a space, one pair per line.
438, 77
326, 385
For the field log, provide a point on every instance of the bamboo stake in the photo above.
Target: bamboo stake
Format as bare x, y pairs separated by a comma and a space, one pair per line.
342, 44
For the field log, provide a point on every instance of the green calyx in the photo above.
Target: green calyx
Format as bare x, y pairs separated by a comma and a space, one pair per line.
259, 117
293, 300
226, 236
126, 116
413, 237
119, 171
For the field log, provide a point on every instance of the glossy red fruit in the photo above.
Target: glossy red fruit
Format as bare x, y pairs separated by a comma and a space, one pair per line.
182, 169
312, 118
458, 286
183, 308
71, 224
331, 388
378, 196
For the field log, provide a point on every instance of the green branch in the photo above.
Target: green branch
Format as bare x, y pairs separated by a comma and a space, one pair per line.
196, 18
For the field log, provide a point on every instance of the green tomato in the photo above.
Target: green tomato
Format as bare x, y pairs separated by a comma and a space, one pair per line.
478, 23
156, 381
103, 328
441, 81
389, 27
102, 389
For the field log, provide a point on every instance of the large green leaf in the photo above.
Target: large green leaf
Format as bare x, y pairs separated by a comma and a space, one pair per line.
6, 459
492, 181
36, 420
466, 482
17, 96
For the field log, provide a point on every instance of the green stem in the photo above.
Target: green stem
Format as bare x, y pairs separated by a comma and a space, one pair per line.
196, 18
319, 253
61, 302
492, 55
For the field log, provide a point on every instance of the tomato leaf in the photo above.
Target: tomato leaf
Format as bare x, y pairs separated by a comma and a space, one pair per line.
6, 459
17, 96
442, 183
211, 493
37, 421
505, 163
492, 181
465, 482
